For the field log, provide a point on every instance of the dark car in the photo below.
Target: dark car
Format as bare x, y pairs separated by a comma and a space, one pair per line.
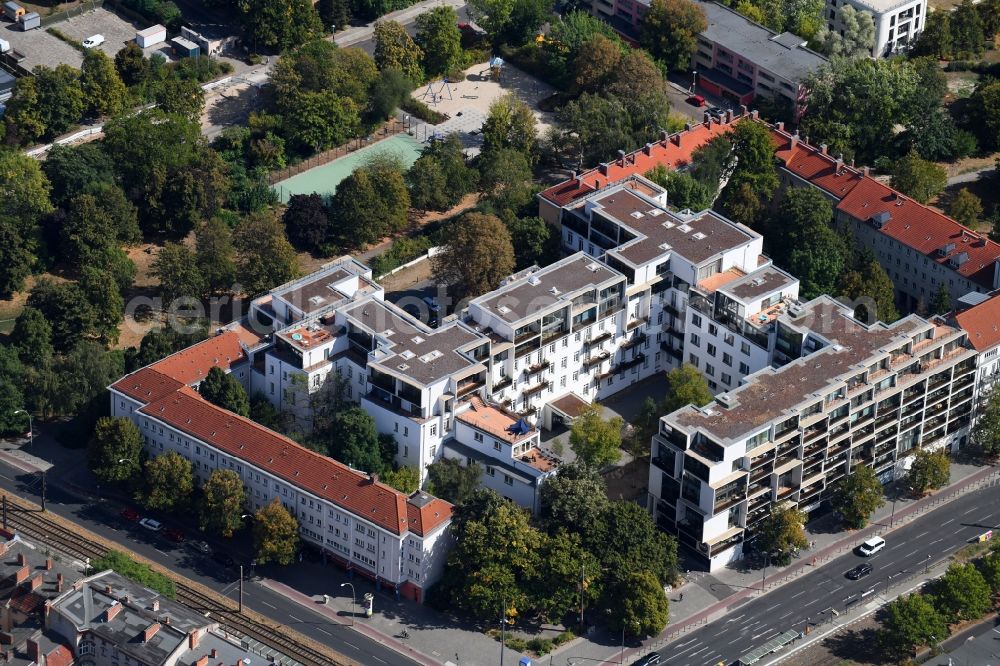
174, 535
859, 571
225, 559
649, 660
130, 515
716, 111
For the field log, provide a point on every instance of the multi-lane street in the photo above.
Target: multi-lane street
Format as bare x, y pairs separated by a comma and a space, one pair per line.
102, 519
809, 599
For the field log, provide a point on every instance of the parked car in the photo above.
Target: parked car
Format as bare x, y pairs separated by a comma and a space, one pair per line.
859, 571
696, 100
871, 546
93, 41
716, 111
130, 515
150, 524
431, 303
649, 660
174, 535
201, 547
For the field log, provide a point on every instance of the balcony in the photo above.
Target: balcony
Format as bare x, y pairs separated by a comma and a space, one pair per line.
732, 499
524, 336
759, 474
636, 323
812, 434
665, 464
503, 383
626, 365
466, 387
597, 339
393, 403
785, 492
633, 341
537, 388
596, 359
538, 367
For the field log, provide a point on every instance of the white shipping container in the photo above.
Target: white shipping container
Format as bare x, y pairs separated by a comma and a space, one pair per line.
151, 36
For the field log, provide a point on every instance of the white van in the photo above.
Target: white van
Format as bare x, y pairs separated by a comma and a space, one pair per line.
872, 546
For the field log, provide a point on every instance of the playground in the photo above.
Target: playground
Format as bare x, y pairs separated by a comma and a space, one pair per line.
471, 97
323, 179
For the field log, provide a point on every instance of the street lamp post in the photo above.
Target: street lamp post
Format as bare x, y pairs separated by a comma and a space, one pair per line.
503, 628
31, 430
694, 80
354, 601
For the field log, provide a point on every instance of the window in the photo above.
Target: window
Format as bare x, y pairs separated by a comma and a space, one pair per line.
709, 370
508, 480
434, 450
711, 349
745, 348
695, 340
727, 359
496, 445
727, 379
478, 436
434, 430
713, 329
696, 320
744, 369
693, 360
729, 339
490, 471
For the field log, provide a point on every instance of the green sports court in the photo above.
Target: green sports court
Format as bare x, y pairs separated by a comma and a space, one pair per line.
325, 178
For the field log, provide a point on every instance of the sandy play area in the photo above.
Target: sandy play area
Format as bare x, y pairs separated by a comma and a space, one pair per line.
467, 102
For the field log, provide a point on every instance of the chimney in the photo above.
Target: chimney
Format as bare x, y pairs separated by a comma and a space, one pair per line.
729, 116
373, 478
3, 548
48, 609
34, 651
36, 581
755, 114
48, 564
166, 620
852, 162
621, 158
21, 560
864, 171
822, 148
150, 632
59, 582
677, 139
112, 611
743, 110
840, 162
664, 134
214, 654
202, 662
156, 605
795, 139
780, 125
603, 168
193, 639
21, 575
107, 589
648, 149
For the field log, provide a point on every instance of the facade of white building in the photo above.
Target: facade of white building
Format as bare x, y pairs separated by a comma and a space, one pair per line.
897, 22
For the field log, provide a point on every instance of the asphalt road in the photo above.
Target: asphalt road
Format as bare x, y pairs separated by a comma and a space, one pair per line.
102, 519
808, 599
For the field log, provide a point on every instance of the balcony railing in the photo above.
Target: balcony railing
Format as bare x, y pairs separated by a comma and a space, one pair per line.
596, 359
633, 341
393, 403
465, 388
538, 388
598, 339
503, 383
538, 367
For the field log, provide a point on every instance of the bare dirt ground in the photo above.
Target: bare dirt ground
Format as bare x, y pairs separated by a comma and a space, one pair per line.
408, 277
628, 482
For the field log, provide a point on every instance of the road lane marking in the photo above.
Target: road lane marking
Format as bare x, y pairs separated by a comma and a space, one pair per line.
922, 534
735, 640
324, 631
975, 508
768, 610
295, 618
796, 596
910, 554
353, 645
937, 540
269, 605
947, 521
377, 659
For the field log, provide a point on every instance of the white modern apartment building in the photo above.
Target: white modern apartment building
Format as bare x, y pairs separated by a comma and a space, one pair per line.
897, 22
842, 394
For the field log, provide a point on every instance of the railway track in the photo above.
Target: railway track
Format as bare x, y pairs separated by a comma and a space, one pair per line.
36, 525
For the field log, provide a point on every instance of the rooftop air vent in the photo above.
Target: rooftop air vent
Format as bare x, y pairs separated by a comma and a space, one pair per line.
503, 309
431, 356
945, 250
417, 339
554, 291
656, 212
637, 214
593, 267
698, 235
668, 225
316, 300
403, 366
684, 228
665, 246
533, 280
407, 355
958, 260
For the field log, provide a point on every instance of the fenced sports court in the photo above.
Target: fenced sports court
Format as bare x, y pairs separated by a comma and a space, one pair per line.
322, 173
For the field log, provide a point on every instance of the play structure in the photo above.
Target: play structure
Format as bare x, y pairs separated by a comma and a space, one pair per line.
436, 91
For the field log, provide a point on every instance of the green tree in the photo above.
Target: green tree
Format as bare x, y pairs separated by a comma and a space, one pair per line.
24, 120
334, 13
32, 336
264, 257
534, 240
141, 573
104, 93
450, 480
73, 170
25, 191
805, 244
131, 65
60, 98
683, 191
782, 532
115, 450
555, 590
439, 38
370, 203
935, 39
183, 97
591, 128
857, 40
941, 301
596, 63
428, 184
388, 93
595, 440
323, 120
168, 482
642, 605
214, 256
12, 398
919, 178
628, 540
510, 124
575, 499
104, 295
505, 180
404, 479
353, 440
983, 114
278, 24
306, 221
476, 257
910, 622
222, 500
872, 291
962, 593
82, 376
686, 386
16, 259
967, 208
177, 270
967, 30
566, 38
492, 15
669, 30
985, 435
929, 470
856, 496
222, 389
526, 19
990, 568
275, 534
66, 307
